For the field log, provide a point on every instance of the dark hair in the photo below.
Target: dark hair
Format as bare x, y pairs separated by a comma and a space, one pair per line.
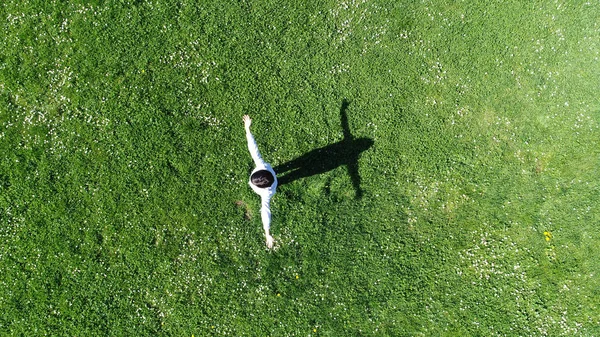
262, 178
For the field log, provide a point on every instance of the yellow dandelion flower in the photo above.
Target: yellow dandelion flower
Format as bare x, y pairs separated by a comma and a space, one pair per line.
297, 276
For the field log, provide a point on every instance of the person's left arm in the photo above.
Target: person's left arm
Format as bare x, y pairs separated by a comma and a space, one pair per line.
265, 214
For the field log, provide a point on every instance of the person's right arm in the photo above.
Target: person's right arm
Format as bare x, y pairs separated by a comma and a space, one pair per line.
252, 143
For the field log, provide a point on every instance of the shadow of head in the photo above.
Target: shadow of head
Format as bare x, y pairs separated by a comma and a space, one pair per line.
362, 144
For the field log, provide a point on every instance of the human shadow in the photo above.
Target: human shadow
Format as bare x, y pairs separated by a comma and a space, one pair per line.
345, 152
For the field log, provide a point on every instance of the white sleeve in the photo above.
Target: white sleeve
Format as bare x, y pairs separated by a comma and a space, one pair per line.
265, 212
253, 149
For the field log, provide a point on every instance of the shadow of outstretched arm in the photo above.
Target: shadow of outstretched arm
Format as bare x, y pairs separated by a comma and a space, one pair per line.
345, 152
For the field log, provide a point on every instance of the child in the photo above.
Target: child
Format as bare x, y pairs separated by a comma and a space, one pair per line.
262, 180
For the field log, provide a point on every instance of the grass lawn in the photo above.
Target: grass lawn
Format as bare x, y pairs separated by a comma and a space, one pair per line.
124, 204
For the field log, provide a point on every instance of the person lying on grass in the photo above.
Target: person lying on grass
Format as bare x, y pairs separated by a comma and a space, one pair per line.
262, 180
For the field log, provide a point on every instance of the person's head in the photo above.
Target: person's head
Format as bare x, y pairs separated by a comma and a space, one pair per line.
262, 178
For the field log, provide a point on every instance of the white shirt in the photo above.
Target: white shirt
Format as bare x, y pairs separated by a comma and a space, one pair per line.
265, 193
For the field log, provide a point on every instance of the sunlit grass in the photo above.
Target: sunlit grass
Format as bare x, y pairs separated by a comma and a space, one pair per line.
124, 204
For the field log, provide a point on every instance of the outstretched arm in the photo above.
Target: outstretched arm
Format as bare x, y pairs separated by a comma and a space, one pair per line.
265, 214
251, 142
355, 177
344, 120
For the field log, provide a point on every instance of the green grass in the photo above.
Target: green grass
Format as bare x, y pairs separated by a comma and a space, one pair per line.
124, 164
